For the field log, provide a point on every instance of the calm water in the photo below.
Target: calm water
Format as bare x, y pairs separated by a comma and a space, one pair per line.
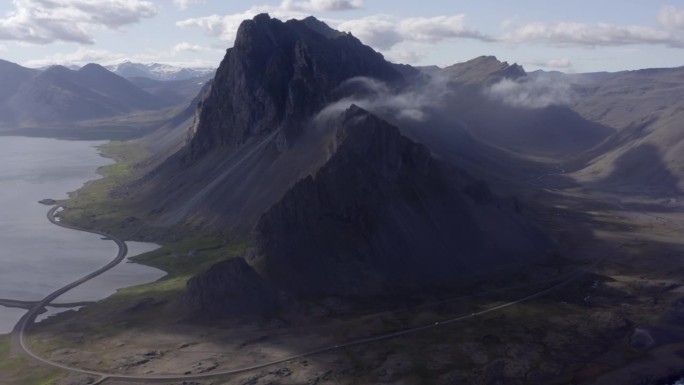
37, 257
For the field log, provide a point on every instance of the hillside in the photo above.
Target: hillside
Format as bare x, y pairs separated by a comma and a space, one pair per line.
59, 95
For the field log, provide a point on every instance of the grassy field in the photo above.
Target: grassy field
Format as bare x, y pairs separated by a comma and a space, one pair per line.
17, 370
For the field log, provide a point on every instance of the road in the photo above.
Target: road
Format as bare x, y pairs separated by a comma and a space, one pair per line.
29, 318
19, 333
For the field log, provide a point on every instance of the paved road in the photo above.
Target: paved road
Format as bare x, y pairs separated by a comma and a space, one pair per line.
19, 333
28, 320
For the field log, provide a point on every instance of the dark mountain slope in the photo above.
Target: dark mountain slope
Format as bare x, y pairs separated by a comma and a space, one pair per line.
275, 76
382, 216
253, 136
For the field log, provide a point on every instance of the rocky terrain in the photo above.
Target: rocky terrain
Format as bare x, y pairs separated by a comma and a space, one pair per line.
382, 217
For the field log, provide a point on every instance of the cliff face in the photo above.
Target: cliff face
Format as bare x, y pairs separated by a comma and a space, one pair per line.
230, 288
276, 75
382, 216
252, 138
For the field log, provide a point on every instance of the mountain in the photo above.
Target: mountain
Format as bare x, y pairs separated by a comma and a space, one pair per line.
354, 207
58, 95
276, 75
483, 70
12, 76
172, 91
156, 71
251, 139
644, 109
382, 216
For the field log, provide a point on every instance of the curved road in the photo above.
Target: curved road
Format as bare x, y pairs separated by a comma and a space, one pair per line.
29, 318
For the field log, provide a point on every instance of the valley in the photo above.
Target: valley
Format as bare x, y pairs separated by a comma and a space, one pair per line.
327, 216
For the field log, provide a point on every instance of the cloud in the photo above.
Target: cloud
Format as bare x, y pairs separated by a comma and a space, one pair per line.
83, 56
187, 47
379, 31
3, 48
47, 21
598, 34
407, 56
225, 26
79, 57
537, 92
559, 63
184, 4
671, 18
373, 95
385, 31
321, 5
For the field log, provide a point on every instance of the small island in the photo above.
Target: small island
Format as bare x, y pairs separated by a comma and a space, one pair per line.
48, 202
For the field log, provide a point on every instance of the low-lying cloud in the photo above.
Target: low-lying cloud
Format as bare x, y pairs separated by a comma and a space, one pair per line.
537, 92
375, 96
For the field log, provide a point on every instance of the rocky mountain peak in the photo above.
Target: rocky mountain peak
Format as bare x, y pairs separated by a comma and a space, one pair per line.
383, 216
276, 76
484, 70
322, 28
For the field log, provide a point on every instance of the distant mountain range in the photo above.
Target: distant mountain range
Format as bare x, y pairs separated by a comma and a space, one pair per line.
337, 163
58, 95
158, 71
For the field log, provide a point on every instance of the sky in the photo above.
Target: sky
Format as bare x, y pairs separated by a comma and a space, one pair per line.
568, 36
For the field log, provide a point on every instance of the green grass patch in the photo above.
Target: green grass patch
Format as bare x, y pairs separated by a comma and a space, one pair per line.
17, 370
191, 255
4, 345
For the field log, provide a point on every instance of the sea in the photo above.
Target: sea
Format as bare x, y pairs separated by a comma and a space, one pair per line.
37, 257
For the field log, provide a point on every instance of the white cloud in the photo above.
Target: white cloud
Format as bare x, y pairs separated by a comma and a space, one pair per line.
79, 57
3, 48
378, 31
83, 56
225, 26
384, 31
187, 47
435, 29
404, 56
597, 35
538, 92
671, 18
601, 34
559, 63
47, 21
184, 4
321, 5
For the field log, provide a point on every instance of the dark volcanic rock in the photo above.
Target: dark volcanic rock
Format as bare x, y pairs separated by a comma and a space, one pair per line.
483, 70
276, 75
253, 136
230, 288
382, 216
